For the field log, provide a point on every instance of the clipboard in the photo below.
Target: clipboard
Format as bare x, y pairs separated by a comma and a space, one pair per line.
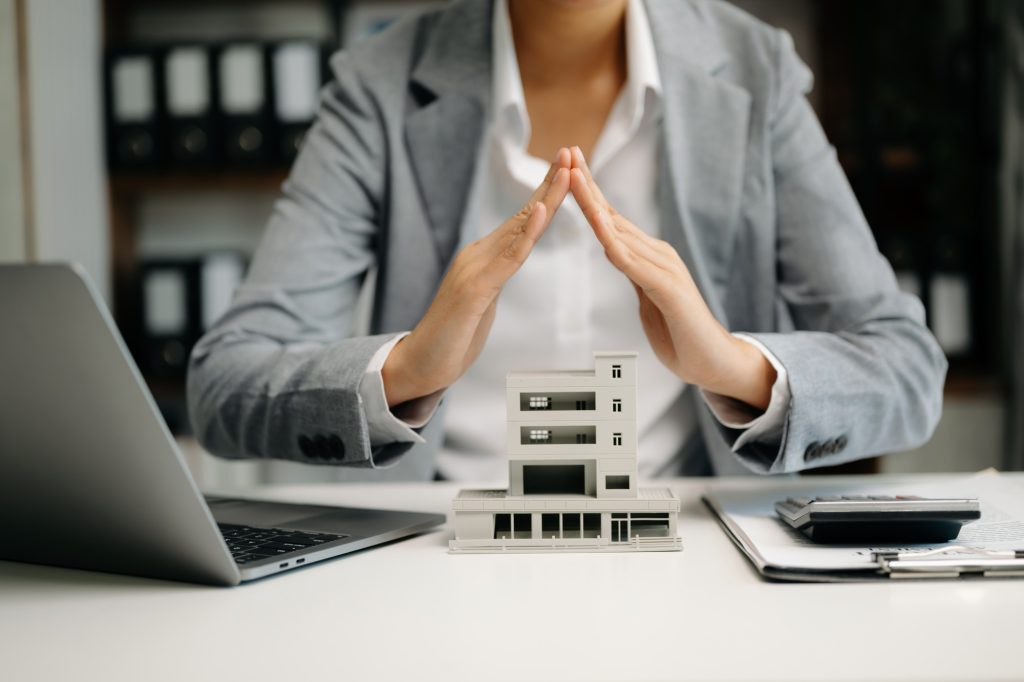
780, 553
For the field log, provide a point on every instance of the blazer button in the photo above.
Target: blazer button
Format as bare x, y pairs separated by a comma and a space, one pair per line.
812, 452
306, 446
337, 446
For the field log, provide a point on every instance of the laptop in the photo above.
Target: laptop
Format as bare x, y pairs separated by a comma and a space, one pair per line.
91, 478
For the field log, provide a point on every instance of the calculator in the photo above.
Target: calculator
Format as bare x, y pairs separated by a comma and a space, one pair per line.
875, 519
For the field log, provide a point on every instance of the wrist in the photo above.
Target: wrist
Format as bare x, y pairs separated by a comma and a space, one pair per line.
754, 385
400, 385
746, 374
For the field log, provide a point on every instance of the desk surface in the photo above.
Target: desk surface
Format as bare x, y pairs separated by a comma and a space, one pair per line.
411, 611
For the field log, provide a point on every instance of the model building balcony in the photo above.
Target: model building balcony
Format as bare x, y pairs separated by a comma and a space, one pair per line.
577, 401
532, 439
571, 405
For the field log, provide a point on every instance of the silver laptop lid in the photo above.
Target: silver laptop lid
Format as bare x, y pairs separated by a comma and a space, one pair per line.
90, 477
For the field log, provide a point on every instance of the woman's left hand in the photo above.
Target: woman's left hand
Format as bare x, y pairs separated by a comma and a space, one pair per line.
683, 332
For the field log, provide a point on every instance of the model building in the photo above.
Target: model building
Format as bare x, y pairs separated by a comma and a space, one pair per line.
572, 450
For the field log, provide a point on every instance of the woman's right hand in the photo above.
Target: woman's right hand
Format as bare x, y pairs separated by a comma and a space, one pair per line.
452, 332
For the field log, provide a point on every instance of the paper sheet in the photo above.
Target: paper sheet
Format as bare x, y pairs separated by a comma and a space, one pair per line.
775, 544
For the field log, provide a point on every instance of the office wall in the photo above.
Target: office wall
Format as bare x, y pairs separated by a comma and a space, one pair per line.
12, 215
64, 84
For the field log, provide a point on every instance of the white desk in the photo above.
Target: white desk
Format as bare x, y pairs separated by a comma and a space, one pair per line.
410, 611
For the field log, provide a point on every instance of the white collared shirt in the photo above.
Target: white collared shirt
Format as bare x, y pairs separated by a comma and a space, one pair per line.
567, 300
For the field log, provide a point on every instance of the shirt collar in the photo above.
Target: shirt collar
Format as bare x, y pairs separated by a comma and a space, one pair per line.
642, 76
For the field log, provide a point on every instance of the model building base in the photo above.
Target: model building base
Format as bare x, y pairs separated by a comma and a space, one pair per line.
572, 484
492, 521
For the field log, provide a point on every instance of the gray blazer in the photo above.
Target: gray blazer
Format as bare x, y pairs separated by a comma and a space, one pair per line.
752, 198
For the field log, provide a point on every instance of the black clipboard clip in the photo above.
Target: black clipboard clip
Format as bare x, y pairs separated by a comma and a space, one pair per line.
956, 561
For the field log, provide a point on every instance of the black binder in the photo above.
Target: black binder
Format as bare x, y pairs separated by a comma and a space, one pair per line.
244, 104
189, 87
949, 298
134, 122
171, 316
297, 76
181, 298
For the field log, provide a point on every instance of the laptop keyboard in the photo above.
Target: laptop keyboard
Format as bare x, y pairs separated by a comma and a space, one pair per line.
253, 544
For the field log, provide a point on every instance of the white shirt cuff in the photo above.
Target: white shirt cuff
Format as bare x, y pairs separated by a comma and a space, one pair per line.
396, 425
757, 426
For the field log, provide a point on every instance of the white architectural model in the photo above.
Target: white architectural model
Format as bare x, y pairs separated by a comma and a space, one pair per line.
572, 470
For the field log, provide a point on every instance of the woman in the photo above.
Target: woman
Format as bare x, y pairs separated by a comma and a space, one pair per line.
711, 196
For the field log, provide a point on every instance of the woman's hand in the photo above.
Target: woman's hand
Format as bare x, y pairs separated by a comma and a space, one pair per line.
452, 332
679, 325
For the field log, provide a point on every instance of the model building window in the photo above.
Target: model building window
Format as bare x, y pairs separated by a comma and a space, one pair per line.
540, 402
616, 371
616, 439
648, 525
565, 434
522, 526
616, 405
557, 401
554, 479
550, 526
571, 525
502, 526
591, 525
616, 482
540, 436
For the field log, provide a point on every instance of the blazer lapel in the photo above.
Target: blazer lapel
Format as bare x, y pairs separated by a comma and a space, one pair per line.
705, 127
450, 91
442, 139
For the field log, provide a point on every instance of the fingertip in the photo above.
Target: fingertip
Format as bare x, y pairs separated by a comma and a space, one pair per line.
564, 157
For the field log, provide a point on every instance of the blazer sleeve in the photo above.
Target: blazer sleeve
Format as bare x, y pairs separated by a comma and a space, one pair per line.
866, 375
277, 376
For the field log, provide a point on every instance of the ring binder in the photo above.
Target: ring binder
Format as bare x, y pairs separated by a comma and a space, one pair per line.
242, 75
133, 95
189, 88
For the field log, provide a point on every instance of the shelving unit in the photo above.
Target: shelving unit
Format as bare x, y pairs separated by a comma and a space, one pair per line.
130, 193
